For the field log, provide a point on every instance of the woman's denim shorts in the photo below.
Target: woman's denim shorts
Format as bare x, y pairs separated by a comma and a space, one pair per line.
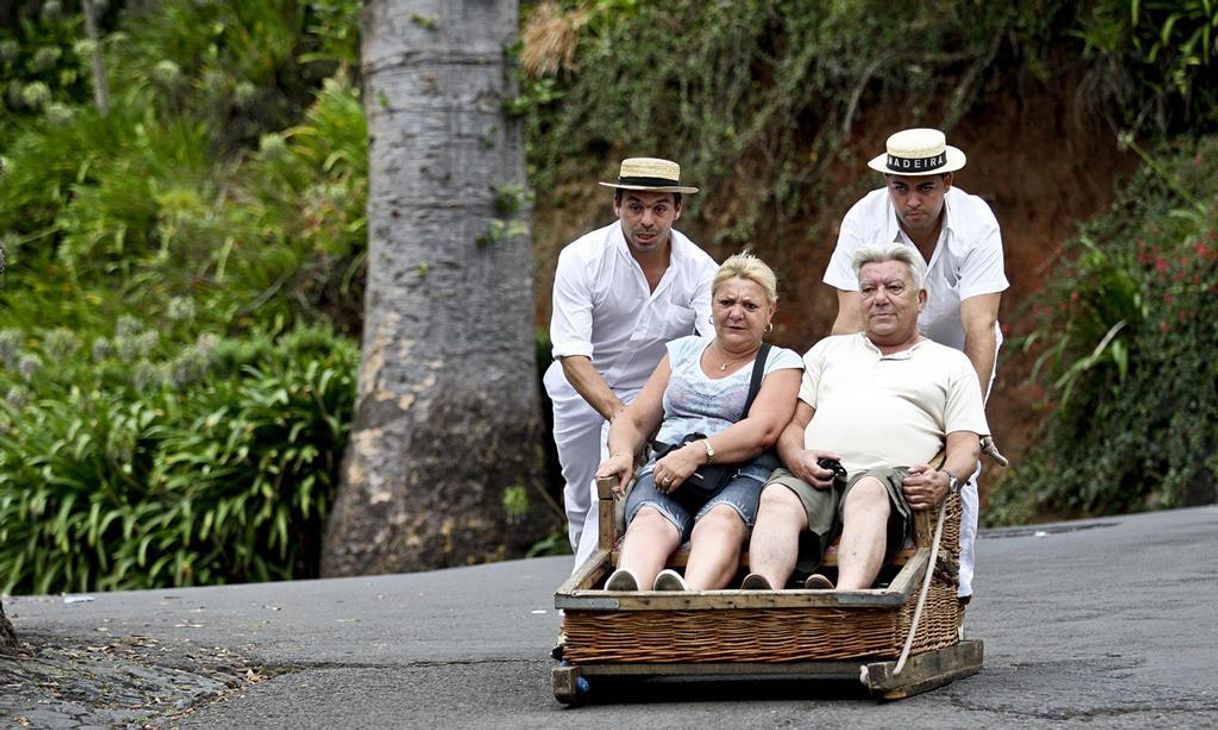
741, 494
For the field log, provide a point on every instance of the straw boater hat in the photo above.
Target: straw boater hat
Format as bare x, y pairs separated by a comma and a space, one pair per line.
918, 152
650, 173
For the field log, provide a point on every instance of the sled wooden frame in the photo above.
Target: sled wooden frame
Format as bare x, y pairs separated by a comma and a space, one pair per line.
786, 634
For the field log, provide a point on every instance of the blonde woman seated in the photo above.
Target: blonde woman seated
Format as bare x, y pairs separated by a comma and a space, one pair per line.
696, 399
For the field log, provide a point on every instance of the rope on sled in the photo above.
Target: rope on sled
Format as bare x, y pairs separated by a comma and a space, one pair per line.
930, 573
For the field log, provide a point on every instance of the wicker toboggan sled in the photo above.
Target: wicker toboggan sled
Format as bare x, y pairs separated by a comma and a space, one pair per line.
860, 635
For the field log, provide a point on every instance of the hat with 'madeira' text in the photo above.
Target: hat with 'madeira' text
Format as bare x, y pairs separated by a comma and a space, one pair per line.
918, 152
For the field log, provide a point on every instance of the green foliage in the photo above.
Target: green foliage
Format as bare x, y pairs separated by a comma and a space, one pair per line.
158, 426
426, 22
43, 62
244, 68
771, 87
295, 223
515, 503
1125, 335
556, 543
144, 203
510, 204
1157, 59
771, 90
144, 464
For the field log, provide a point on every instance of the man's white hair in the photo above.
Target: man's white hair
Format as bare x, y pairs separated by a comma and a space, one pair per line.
878, 253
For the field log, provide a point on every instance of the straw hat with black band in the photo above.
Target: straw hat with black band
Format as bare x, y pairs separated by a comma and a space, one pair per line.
651, 174
915, 152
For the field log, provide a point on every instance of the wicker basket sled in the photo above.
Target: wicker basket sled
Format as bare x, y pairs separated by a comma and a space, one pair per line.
862, 635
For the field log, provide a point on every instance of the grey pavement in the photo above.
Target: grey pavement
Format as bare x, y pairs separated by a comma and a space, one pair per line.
1104, 623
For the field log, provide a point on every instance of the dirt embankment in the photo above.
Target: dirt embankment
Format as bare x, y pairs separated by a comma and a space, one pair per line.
1043, 157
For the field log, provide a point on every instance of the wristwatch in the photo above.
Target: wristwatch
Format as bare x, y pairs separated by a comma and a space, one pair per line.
710, 452
953, 484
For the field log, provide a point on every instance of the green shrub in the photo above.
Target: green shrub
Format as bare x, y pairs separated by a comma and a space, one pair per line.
1125, 336
40, 65
242, 67
144, 213
212, 463
1155, 60
154, 431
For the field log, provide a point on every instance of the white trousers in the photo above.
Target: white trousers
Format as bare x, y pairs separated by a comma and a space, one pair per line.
970, 502
581, 436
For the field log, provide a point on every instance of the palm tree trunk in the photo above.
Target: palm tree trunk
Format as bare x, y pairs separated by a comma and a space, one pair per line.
446, 438
8, 637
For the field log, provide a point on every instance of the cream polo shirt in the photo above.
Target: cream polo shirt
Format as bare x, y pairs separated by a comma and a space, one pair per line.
967, 260
605, 310
887, 410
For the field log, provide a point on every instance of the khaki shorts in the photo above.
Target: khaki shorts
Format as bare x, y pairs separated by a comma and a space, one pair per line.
823, 508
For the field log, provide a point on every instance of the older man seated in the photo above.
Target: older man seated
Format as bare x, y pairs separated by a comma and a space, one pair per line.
882, 403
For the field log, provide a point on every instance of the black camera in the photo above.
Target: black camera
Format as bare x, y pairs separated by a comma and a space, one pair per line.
832, 465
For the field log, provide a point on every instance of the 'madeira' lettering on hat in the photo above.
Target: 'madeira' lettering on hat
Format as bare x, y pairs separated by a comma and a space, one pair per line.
914, 164
651, 182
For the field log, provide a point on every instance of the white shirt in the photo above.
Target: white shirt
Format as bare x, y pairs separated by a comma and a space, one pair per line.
604, 308
967, 260
887, 410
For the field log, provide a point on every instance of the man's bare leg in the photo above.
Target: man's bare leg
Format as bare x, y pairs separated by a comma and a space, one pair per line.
860, 552
775, 544
650, 539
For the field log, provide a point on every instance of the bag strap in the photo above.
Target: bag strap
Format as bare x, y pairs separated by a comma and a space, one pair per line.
763, 354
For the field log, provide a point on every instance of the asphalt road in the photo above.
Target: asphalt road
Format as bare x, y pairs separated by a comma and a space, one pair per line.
1107, 623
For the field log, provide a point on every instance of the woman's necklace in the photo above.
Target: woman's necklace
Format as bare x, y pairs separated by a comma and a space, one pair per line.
724, 361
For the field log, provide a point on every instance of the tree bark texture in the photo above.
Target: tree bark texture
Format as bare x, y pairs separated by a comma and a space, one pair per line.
447, 419
8, 637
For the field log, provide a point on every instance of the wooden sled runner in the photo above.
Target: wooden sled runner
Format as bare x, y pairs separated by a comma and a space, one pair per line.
880, 637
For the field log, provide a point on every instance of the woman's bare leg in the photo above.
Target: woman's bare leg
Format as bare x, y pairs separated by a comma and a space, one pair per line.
650, 539
715, 546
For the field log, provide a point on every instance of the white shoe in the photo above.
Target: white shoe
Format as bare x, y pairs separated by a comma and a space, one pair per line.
669, 580
622, 580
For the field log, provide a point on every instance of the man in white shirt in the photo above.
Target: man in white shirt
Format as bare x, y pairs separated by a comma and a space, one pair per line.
957, 237
620, 293
881, 403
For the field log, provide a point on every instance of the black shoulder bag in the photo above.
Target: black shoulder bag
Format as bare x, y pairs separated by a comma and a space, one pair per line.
709, 479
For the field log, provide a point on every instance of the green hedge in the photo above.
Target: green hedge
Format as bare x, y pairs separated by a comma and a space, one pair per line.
139, 466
